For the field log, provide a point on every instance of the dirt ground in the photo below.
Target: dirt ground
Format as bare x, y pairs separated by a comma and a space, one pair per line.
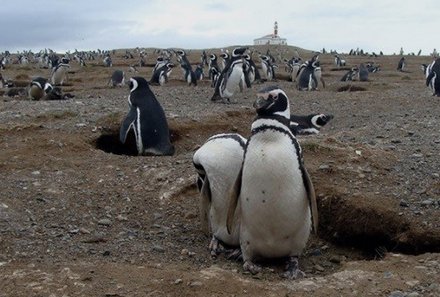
81, 216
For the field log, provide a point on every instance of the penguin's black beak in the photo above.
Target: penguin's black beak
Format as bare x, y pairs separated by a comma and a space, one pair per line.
263, 102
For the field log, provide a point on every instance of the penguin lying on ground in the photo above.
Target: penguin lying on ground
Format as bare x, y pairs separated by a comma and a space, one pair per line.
310, 124
147, 120
275, 193
161, 74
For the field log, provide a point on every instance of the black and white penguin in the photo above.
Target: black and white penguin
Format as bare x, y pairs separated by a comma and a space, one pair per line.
147, 120
38, 88
107, 61
161, 74
307, 79
160, 61
267, 67
199, 72
339, 62
218, 163
401, 65
188, 72
231, 77
294, 66
351, 75
363, 72
214, 70
278, 205
308, 124
251, 70
117, 79
433, 78
59, 73
225, 58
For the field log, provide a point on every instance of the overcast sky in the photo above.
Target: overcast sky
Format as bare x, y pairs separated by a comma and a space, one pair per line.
372, 25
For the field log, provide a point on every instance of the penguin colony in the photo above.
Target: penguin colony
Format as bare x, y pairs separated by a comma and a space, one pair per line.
226, 162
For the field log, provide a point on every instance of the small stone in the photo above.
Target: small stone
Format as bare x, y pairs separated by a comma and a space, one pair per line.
84, 231
324, 167
412, 294
104, 222
427, 202
396, 294
335, 259
319, 268
158, 248
195, 284
403, 203
325, 247
36, 172
184, 252
106, 253
178, 281
412, 283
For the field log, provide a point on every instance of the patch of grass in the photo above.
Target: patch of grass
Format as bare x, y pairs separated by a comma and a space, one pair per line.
23, 76
406, 77
57, 115
351, 88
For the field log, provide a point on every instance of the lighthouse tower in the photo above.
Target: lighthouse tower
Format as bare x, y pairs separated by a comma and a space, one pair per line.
275, 30
273, 38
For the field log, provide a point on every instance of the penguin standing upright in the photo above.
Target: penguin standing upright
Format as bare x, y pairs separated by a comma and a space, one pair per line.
147, 120
59, 73
188, 73
218, 163
307, 79
251, 70
267, 67
351, 74
214, 70
277, 197
161, 74
231, 76
107, 61
363, 72
433, 77
401, 65
38, 88
199, 72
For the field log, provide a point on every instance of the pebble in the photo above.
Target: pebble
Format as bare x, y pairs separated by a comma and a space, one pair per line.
324, 167
427, 202
104, 222
396, 294
178, 281
158, 248
412, 294
403, 203
195, 284
319, 268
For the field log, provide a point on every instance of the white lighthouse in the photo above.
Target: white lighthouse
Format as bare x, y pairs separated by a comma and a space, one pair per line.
273, 38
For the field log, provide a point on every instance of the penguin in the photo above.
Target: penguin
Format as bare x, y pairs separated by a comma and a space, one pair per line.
267, 67
401, 64
117, 79
218, 162
277, 200
231, 76
199, 72
338, 61
204, 59
363, 72
107, 61
251, 70
431, 80
59, 73
188, 73
295, 64
351, 74
214, 70
147, 120
318, 74
309, 124
307, 79
160, 61
225, 58
38, 88
161, 75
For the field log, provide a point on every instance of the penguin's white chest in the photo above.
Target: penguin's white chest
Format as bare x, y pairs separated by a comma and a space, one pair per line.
275, 212
232, 81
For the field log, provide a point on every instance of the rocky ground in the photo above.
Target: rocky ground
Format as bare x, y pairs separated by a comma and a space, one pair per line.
80, 216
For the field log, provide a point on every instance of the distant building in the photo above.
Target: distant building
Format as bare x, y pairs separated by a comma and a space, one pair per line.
273, 38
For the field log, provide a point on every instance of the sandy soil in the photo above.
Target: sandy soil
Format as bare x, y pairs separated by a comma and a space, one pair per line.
81, 216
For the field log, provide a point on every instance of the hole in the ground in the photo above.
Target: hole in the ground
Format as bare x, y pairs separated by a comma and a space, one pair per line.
351, 88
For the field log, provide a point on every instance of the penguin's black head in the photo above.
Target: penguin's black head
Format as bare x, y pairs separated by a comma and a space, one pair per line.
212, 57
137, 83
224, 55
321, 120
239, 51
272, 101
181, 53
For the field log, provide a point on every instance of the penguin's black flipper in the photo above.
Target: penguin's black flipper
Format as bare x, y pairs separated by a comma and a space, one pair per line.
128, 124
234, 195
429, 78
312, 198
205, 202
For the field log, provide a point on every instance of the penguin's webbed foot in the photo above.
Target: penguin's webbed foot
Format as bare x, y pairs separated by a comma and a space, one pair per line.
292, 270
251, 267
215, 247
234, 254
